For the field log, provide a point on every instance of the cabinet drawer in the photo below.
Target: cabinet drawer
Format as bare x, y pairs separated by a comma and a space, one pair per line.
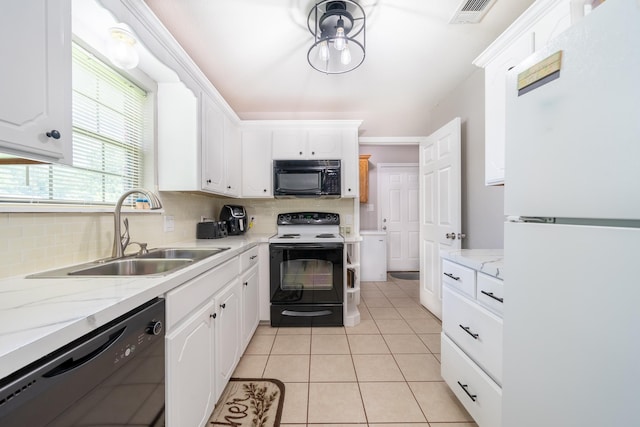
475, 330
459, 277
248, 259
480, 395
186, 298
490, 292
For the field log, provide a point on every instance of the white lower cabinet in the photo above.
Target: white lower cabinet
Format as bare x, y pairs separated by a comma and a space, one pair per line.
472, 331
190, 375
227, 334
478, 393
250, 309
210, 320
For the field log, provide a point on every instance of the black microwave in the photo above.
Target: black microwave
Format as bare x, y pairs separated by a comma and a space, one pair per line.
306, 178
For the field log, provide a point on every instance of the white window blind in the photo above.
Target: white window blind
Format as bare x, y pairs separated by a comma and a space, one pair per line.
108, 130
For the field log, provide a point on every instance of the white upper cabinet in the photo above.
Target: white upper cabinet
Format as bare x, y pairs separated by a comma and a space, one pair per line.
233, 159
305, 143
531, 31
212, 146
35, 80
257, 170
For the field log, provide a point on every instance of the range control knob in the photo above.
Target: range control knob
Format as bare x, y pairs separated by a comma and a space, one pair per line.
154, 327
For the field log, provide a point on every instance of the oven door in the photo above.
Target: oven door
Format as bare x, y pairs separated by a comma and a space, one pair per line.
306, 273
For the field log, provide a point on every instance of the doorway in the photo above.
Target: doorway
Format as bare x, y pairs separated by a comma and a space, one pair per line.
398, 198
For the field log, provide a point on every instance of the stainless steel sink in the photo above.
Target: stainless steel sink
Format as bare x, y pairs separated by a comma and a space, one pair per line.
133, 267
195, 254
156, 262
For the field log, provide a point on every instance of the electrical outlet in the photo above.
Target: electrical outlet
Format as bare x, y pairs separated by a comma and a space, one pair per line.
169, 223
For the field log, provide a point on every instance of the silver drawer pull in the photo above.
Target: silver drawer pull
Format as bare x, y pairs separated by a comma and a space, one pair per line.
491, 295
452, 276
466, 329
464, 387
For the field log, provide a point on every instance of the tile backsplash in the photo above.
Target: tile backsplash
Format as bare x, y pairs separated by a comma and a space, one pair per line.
32, 242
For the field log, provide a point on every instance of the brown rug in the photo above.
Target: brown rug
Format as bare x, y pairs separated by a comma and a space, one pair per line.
251, 402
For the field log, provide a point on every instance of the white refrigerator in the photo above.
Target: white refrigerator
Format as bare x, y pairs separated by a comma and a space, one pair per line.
572, 236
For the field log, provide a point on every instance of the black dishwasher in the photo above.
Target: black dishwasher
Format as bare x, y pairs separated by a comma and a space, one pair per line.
113, 376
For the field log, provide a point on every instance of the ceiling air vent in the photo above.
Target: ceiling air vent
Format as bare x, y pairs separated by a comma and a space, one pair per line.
471, 11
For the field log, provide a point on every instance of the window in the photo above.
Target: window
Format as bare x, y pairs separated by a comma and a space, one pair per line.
108, 135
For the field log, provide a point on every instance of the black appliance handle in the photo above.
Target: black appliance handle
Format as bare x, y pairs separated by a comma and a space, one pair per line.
318, 313
72, 363
295, 246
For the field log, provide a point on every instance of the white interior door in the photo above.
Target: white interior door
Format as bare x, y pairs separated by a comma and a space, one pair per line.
440, 211
398, 187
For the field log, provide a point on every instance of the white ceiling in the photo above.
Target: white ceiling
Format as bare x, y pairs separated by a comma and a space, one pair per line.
254, 53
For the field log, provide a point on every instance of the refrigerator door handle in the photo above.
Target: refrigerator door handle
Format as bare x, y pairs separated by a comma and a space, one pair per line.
533, 219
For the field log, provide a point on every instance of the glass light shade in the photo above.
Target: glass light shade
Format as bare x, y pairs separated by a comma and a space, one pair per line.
121, 49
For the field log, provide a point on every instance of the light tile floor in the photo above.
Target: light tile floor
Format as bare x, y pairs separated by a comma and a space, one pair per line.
383, 372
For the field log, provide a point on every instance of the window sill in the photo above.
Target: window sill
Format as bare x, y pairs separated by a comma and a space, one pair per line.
45, 208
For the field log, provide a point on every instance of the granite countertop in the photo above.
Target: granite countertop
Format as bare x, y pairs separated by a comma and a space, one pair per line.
39, 315
488, 261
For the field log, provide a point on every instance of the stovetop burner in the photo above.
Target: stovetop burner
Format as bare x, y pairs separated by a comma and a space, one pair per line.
308, 227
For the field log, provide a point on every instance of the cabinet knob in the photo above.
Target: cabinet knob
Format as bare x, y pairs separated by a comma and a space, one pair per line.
213, 316
53, 134
246, 283
349, 190
208, 181
313, 153
223, 306
228, 187
301, 153
264, 190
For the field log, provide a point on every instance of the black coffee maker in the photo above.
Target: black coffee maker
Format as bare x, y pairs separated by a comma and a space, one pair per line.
236, 218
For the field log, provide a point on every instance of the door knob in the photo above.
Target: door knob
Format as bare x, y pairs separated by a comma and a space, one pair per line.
461, 236
451, 236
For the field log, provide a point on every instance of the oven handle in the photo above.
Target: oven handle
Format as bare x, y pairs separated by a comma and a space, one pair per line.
295, 246
319, 313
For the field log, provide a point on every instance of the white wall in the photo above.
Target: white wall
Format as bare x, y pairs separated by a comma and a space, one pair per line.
482, 206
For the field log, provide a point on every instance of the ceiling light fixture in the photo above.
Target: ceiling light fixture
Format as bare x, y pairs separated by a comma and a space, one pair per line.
338, 29
121, 48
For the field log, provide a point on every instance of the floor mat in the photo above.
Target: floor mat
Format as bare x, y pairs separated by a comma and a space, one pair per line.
405, 275
249, 402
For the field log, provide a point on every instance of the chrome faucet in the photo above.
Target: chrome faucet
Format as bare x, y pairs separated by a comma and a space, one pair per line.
119, 241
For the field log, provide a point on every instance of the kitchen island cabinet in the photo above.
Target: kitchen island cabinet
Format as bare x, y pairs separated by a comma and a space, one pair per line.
35, 113
471, 363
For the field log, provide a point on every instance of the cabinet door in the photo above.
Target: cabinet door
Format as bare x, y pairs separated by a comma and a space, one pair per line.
495, 98
257, 169
35, 79
233, 162
289, 144
190, 376
212, 146
325, 144
350, 165
250, 309
555, 21
227, 334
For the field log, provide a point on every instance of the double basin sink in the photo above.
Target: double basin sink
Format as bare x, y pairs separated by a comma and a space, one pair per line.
155, 262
